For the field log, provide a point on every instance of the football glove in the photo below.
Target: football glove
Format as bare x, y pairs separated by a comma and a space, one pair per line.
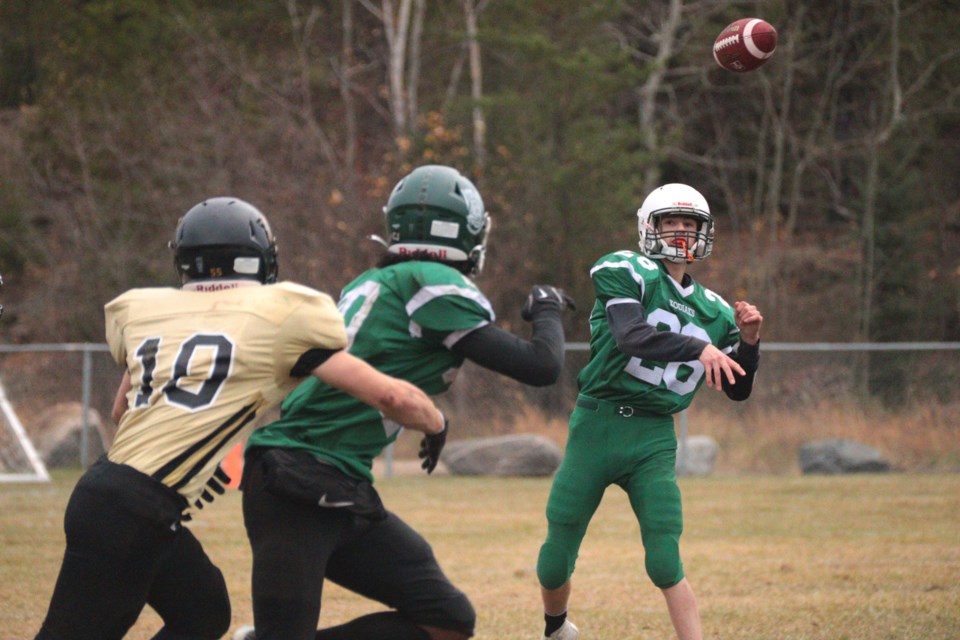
431, 446
544, 296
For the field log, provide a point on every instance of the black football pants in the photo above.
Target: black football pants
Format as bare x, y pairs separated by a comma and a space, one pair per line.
297, 545
126, 548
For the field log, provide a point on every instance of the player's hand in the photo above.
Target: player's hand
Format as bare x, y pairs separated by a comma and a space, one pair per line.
748, 319
717, 366
544, 296
430, 447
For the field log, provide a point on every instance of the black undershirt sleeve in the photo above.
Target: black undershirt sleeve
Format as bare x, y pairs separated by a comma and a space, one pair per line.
309, 361
748, 357
537, 362
635, 337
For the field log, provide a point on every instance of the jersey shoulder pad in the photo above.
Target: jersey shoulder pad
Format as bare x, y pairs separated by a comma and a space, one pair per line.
637, 266
299, 290
715, 298
312, 318
289, 298
444, 299
117, 313
715, 306
426, 273
623, 274
132, 296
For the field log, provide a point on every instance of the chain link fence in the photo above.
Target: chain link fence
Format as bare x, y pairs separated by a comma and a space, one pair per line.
901, 398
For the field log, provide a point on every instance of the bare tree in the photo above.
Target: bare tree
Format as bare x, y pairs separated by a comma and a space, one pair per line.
345, 71
396, 18
472, 10
649, 90
301, 28
415, 61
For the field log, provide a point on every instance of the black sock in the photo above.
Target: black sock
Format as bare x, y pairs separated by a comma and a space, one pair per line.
388, 625
553, 622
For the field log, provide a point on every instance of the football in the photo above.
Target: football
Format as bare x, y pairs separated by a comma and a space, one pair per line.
745, 45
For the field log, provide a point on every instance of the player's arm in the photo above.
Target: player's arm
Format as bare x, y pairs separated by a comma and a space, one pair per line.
747, 354
109, 431
398, 400
748, 357
120, 399
536, 362
636, 337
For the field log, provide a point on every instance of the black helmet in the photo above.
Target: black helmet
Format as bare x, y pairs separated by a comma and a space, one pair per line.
225, 238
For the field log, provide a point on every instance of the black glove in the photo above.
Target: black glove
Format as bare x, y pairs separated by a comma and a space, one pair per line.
545, 296
431, 446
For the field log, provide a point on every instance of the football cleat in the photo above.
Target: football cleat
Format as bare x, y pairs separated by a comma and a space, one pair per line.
246, 632
568, 631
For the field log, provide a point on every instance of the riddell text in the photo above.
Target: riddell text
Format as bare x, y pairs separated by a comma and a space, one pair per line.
440, 254
219, 286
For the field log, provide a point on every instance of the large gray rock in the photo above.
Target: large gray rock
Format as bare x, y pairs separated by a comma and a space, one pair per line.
698, 456
57, 435
518, 455
840, 456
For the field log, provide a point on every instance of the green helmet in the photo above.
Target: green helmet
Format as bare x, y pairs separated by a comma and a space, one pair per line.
435, 213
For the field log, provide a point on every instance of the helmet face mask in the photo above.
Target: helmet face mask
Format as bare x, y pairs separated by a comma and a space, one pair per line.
435, 213
675, 246
225, 238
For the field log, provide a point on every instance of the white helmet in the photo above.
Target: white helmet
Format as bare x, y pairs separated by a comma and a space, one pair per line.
675, 199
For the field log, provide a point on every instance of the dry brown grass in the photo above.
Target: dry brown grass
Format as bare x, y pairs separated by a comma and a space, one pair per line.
771, 557
761, 440
758, 439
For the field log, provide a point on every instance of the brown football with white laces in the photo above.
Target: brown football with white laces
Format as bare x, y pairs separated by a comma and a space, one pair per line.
745, 45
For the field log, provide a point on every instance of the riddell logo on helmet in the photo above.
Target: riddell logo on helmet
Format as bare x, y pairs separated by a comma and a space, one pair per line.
436, 254
684, 204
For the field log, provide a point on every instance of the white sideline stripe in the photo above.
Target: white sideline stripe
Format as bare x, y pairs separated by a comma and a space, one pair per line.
36, 462
754, 50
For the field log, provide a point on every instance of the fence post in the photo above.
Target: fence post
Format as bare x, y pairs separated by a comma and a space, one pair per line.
85, 431
388, 461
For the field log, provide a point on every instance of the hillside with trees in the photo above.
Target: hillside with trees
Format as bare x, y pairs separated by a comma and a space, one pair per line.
832, 171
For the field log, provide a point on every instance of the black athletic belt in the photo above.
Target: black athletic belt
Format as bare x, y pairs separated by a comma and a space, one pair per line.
622, 410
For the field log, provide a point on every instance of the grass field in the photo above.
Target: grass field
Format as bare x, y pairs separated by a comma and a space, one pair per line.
788, 558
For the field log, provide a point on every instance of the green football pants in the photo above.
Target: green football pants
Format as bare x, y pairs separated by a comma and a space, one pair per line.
610, 443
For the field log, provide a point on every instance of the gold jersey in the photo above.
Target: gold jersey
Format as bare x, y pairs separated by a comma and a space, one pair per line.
203, 364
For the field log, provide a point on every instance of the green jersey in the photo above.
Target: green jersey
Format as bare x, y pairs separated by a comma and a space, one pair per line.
660, 388
402, 320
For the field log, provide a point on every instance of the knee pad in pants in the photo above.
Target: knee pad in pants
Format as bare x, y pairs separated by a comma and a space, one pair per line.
554, 565
661, 523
